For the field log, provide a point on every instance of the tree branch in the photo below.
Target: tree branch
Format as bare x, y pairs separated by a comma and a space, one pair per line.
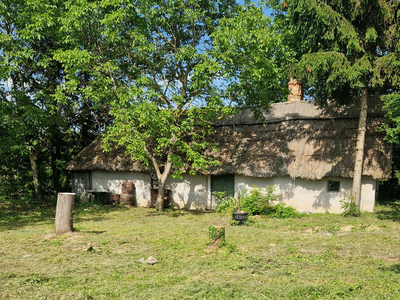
154, 161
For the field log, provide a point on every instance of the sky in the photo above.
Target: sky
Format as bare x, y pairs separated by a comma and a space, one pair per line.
267, 12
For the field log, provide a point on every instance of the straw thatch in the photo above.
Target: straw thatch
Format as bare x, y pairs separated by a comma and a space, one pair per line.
300, 139
93, 157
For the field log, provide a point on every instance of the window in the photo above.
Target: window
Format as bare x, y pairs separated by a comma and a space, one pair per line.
333, 186
81, 182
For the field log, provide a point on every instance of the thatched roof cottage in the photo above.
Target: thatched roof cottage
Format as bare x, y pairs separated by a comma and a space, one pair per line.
304, 150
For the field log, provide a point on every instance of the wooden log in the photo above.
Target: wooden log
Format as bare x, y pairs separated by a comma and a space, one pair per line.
65, 205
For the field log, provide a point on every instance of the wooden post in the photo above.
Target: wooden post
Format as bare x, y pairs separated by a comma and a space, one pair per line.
65, 205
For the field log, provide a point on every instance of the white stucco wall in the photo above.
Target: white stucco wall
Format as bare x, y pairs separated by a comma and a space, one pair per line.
311, 195
189, 193
368, 193
193, 192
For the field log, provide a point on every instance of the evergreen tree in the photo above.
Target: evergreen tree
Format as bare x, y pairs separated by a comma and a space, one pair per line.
347, 51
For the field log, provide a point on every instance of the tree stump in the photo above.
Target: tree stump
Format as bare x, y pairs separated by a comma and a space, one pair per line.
65, 205
216, 235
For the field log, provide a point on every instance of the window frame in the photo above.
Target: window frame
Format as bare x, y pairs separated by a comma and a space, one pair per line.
335, 188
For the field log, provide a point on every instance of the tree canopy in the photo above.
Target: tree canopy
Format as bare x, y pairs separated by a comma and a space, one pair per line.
40, 132
343, 46
163, 72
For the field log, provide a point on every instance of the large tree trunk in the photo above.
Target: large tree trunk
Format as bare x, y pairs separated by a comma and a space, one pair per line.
162, 177
359, 157
55, 156
33, 160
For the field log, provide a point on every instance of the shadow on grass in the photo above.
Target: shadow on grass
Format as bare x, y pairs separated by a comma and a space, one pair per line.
175, 213
92, 231
15, 215
82, 219
394, 268
389, 210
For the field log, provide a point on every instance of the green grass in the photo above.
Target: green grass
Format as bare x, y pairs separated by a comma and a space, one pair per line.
320, 256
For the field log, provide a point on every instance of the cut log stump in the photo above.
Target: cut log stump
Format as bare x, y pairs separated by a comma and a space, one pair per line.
216, 235
65, 205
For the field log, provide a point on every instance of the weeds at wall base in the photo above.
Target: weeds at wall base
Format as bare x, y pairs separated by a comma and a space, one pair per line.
350, 209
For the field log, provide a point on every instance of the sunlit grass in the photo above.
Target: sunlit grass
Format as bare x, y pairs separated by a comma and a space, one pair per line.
320, 256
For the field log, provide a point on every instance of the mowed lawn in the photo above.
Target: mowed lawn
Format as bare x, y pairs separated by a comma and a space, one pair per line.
319, 256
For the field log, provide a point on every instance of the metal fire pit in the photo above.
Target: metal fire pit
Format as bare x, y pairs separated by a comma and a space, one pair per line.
240, 216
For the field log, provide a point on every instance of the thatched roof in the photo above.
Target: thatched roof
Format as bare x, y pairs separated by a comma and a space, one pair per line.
93, 157
299, 139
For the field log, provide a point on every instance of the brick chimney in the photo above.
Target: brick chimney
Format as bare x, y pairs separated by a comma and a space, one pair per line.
295, 90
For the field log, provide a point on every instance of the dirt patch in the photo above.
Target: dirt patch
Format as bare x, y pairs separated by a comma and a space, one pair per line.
48, 236
373, 228
347, 228
213, 246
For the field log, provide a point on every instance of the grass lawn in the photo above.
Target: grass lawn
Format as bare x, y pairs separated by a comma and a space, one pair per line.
320, 256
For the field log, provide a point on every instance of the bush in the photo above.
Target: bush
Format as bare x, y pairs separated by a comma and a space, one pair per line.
225, 204
349, 207
256, 202
284, 212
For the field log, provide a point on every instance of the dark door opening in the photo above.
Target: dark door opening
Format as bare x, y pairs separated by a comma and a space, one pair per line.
223, 183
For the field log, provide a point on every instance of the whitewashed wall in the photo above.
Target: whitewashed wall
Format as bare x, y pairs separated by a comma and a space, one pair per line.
193, 192
311, 195
189, 193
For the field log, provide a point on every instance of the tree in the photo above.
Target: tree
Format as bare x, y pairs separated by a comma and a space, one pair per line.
29, 76
346, 50
172, 68
38, 128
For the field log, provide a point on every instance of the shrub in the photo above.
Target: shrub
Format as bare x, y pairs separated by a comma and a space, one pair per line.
256, 202
284, 212
349, 207
225, 204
